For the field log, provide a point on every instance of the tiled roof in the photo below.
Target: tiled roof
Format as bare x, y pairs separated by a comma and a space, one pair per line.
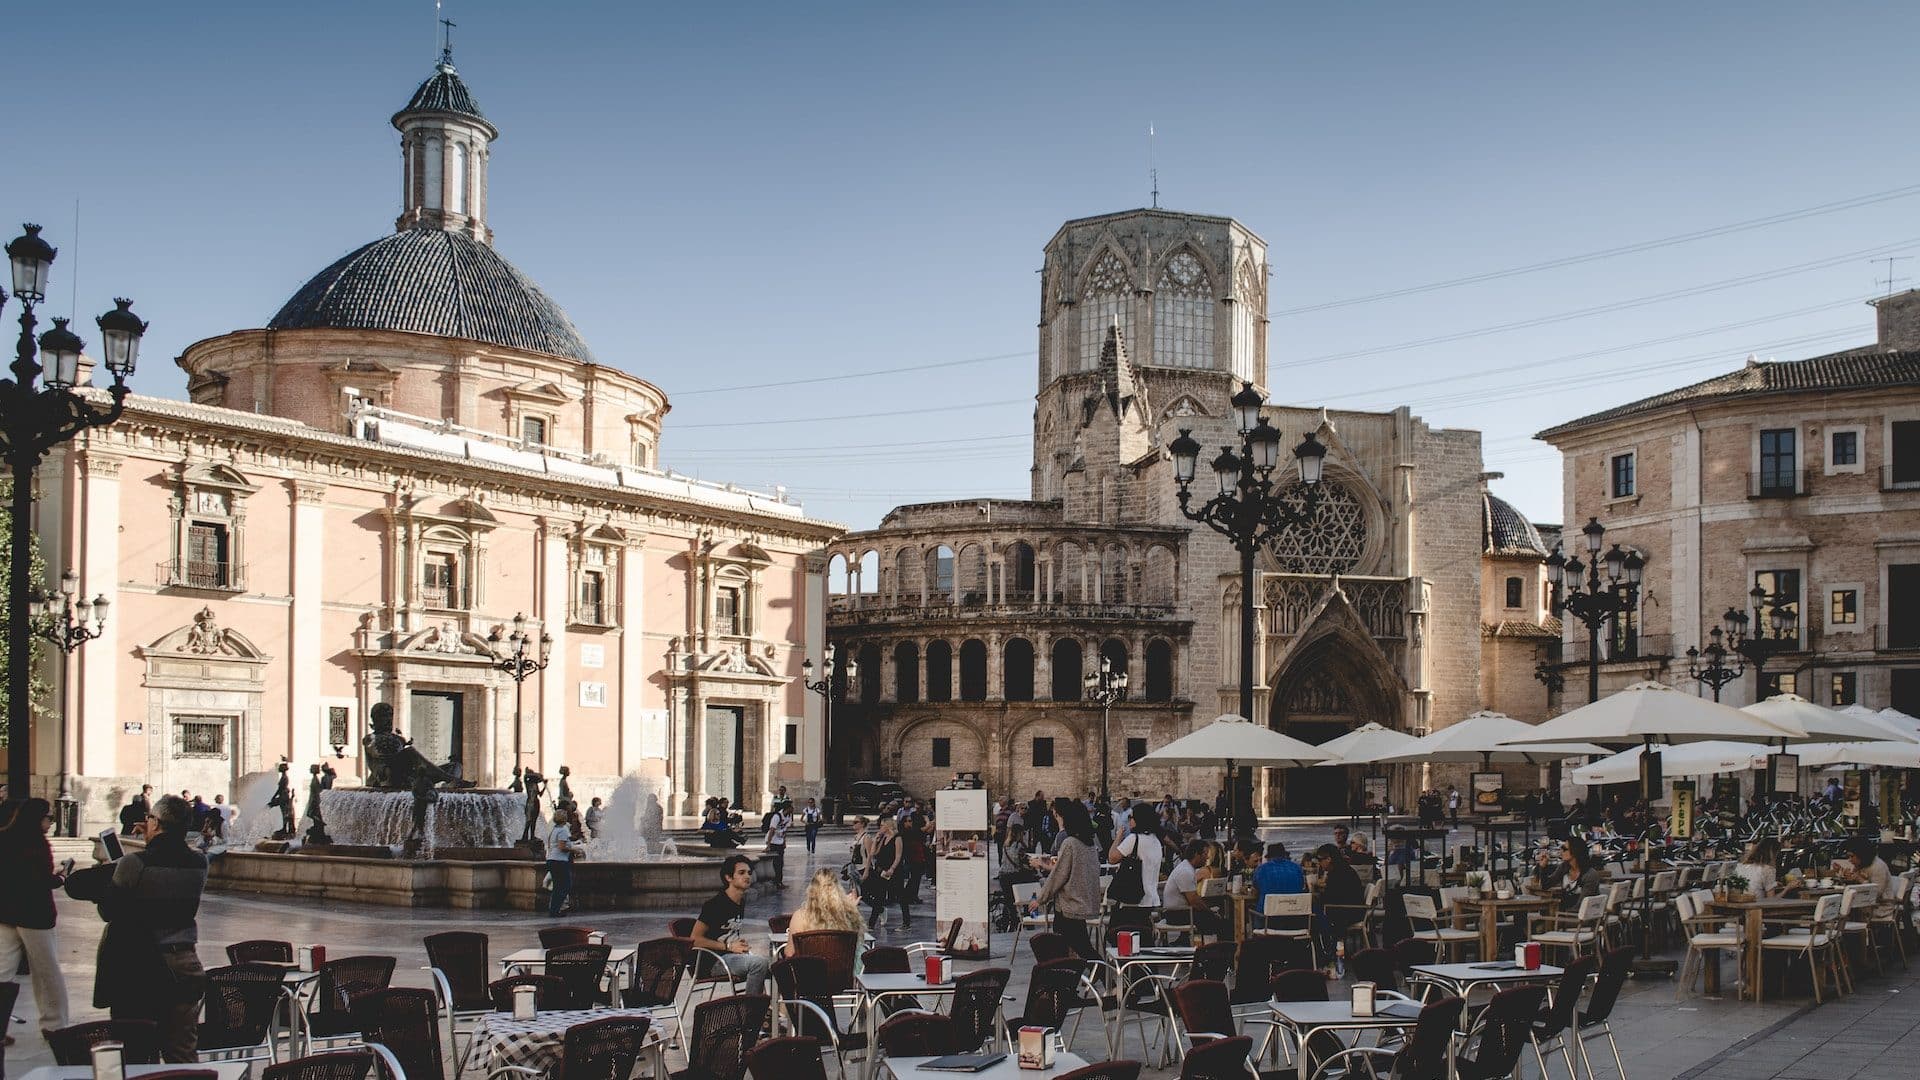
429, 281
1506, 531
1865, 368
1521, 628
444, 91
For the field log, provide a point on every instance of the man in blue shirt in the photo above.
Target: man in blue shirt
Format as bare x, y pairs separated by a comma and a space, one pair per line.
1278, 874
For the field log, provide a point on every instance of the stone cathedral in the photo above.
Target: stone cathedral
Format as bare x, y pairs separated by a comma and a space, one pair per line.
972, 625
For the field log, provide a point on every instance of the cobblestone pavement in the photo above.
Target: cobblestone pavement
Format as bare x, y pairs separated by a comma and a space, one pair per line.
1716, 1039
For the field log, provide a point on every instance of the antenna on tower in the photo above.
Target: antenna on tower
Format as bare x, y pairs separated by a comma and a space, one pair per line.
1890, 260
1153, 170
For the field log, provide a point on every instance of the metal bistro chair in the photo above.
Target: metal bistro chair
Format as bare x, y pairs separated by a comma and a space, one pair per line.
555, 937
1705, 937
1595, 1021
1105, 1070
1553, 1028
1221, 1059
1425, 1055
583, 968
549, 993
329, 1018
807, 1007
723, 1030
1501, 1034
139, 1039
795, 1057
1424, 917
1024, 895
1289, 915
260, 951
1817, 939
406, 1021
241, 1003
918, 1034
978, 1009
457, 960
659, 967
1584, 932
606, 1049
339, 1065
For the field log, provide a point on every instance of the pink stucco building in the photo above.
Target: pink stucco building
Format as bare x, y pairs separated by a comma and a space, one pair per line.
417, 448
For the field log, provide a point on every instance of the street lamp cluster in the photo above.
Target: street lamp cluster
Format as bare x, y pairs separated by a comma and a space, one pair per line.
1730, 648
515, 655
1104, 687
1597, 599
39, 410
64, 620
1251, 510
824, 687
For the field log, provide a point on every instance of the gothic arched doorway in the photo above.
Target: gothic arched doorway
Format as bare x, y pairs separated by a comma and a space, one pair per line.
1329, 687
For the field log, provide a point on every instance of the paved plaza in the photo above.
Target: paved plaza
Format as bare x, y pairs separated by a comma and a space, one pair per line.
1713, 1039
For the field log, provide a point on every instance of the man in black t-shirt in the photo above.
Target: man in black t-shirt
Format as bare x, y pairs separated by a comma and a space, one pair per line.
718, 926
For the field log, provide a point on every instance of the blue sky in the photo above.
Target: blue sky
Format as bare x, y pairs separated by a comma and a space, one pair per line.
742, 194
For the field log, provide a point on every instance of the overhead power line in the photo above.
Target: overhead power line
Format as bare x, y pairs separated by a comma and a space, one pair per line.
1027, 355
862, 416
1608, 253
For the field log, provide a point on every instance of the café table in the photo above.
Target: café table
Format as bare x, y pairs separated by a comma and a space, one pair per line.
876, 988
539, 1043
1305, 1019
224, 1070
1493, 908
619, 962
1754, 913
913, 1068
1464, 979
1149, 960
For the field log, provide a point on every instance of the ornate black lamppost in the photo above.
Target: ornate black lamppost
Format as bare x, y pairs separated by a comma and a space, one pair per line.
519, 662
39, 410
68, 623
1776, 630
1104, 687
1250, 512
1710, 665
825, 688
1597, 599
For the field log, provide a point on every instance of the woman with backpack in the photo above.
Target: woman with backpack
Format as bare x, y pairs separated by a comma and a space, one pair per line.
1138, 854
883, 856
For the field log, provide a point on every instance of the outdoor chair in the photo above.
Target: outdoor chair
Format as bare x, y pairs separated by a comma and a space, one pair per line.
1855, 905
1214, 960
1595, 1022
1360, 921
1425, 1055
1410, 951
1816, 939
182, 1074
1220, 1059
722, 1032
329, 1017
457, 960
555, 937
1887, 913
1257, 962
1706, 938
583, 968
1582, 932
836, 949
260, 951
549, 993
659, 966
808, 1006
1424, 917
1105, 1070
918, 1034
779, 924
1202, 1012
1376, 966
139, 1039
1553, 1028
1053, 992
238, 1010
1289, 915
1503, 1031
681, 927
339, 1065
791, 1058
977, 1007
1023, 896
406, 1021
1047, 945
887, 960
606, 1049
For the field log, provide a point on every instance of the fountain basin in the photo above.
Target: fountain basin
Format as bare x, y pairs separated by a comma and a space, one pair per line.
678, 884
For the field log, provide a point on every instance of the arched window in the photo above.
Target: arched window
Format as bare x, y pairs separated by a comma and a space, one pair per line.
906, 672
973, 574
1020, 575
1159, 671
973, 670
1066, 669
1160, 583
1250, 304
1108, 299
939, 571
1068, 569
869, 675
1113, 652
906, 584
435, 173
866, 578
939, 671
1017, 670
458, 186
837, 575
1183, 314
1516, 590
1113, 576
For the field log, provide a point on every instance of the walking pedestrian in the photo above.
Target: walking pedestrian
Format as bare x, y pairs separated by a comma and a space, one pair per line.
1073, 886
777, 825
596, 813
27, 880
560, 863
884, 857
810, 818
147, 967
1453, 805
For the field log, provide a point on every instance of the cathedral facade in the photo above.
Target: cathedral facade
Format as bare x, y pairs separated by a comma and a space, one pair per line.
973, 625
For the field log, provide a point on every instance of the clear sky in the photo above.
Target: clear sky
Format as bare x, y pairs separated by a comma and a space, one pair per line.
734, 195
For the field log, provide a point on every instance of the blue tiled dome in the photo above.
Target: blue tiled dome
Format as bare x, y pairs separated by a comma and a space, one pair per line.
1505, 531
444, 91
430, 281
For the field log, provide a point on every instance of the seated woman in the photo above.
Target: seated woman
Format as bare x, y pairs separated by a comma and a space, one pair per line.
1580, 879
827, 906
1760, 867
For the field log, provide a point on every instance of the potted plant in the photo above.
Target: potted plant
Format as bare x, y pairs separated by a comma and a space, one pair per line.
1478, 880
1735, 887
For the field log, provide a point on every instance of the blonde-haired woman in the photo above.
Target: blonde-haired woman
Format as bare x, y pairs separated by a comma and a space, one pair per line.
827, 906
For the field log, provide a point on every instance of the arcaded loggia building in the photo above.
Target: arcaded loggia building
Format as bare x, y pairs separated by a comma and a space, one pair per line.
359, 498
973, 623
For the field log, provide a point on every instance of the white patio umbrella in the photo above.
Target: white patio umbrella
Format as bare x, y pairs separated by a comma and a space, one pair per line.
1486, 737
1900, 721
1692, 759
1649, 712
1364, 745
1814, 723
1890, 754
1233, 741
1894, 731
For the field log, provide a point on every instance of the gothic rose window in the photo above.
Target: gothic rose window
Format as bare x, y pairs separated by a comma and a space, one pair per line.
1331, 542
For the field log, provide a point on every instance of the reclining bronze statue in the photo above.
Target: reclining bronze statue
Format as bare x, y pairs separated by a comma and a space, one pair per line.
392, 762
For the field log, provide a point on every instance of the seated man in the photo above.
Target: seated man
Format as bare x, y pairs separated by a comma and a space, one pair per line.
1278, 874
1180, 902
1864, 866
718, 926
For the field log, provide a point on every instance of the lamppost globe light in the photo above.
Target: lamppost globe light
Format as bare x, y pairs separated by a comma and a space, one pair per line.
1264, 440
32, 260
1246, 407
1616, 562
1636, 567
1556, 567
1226, 469
829, 654
1186, 456
1573, 571
806, 668
546, 646
1595, 534
120, 333
69, 582
1312, 456
60, 350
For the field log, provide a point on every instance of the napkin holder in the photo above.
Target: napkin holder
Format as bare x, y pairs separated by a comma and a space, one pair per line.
312, 956
1528, 955
1127, 942
1364, 1002
1036, 1048
939, 970
523, 1003
109, 1061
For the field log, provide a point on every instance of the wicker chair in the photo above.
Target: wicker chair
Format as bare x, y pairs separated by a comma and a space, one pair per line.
1047, 945
406, 1021
779, 924
723, 1031
583, 968
339, 1065
1503, 1031
549, 993
977, 1006
260, 951
810, 1012
330, 1017
240, 1005
794, 1058
1204, 1011
183, 1074
1553, 1028
1376, 966
140, 1040
1214, 960
1053, 991
1105, 1070
458, 961
606, 1049
1423, 1056
918, 1034
837, 948
555, 937
1220, 1059
659, 966
681, 927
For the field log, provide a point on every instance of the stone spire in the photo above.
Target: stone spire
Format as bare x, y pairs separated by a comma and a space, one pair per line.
444, 149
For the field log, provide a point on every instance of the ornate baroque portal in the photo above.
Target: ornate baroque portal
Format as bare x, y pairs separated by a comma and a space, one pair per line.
204, 687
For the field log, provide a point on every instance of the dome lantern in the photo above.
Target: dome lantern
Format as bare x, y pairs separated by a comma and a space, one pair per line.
444, 143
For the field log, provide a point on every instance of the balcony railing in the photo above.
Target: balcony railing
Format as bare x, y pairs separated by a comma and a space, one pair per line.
446, 598
594, 613
1777, 484
1899, 478
201, 574
874, 607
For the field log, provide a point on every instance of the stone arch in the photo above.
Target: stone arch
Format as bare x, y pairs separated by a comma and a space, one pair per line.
1021, 572
970, 574
1160, 579
1113, 653
837, 575
1158, 681
1068, 662
906, 672
1069, 569
907, 586
913, 757
973, 670
939, 661
867, 680
937, 571
866, 573
1016, 669
1330, 682
1114, 565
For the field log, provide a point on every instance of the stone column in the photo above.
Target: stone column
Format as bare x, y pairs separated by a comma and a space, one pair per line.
99, 660
306, 562
630, 664
549, 742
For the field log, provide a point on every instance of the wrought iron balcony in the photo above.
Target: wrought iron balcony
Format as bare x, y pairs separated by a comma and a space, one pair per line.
201, 574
